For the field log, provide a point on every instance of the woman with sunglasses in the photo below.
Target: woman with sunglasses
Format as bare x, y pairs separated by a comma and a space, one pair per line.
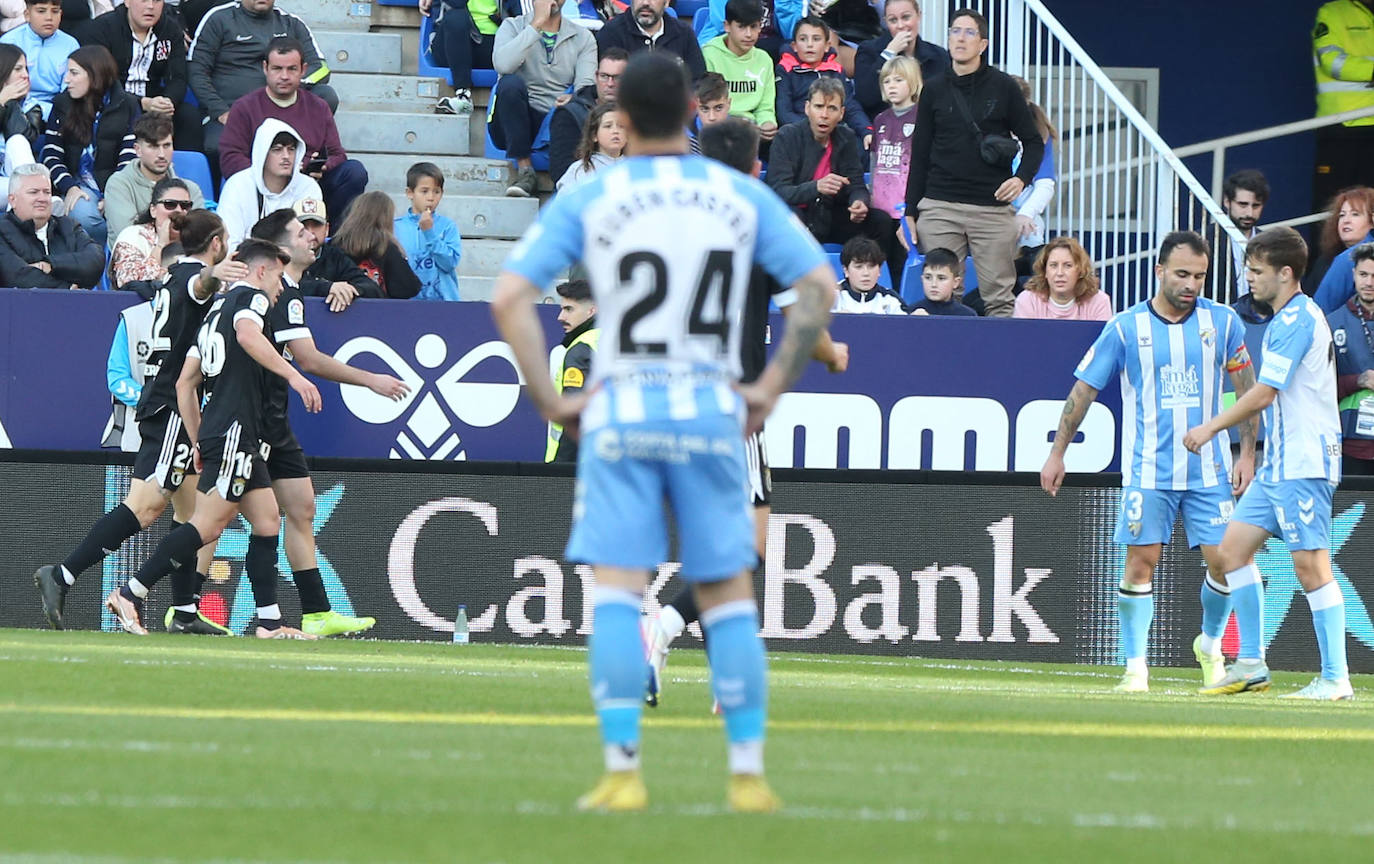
137, 251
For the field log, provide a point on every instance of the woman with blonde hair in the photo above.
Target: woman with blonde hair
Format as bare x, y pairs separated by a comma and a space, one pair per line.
368, 236
1064, 286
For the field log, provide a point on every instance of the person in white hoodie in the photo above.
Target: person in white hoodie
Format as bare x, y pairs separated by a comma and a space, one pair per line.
272, 182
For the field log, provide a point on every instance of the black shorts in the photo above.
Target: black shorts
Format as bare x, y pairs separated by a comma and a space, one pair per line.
286, 461
760, 478
164, 454
232, 467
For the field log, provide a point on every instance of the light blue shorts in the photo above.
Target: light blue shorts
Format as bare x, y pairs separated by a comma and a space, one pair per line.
630, 475
1296, 511
1147, 515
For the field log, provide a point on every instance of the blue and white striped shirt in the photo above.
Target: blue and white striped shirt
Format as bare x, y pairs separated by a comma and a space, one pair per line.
1171, 380
1302, 426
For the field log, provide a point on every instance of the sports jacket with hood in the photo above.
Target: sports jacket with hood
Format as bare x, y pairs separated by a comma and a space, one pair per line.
245, 198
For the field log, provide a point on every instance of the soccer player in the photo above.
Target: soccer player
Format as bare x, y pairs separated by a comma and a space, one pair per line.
1172, 353
734, 141
668, 240
1291, 497
164, 456
286, 460
232, 351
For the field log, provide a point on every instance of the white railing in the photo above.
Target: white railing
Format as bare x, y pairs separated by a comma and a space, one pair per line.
1120, 187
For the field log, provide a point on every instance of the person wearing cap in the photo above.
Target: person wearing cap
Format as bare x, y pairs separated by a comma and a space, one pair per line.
334, 275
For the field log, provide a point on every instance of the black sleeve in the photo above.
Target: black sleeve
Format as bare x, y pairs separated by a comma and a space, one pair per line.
1022, 125
401, 281
786, 85
868, 62
578, 357
784, 168
176, 78
84, 260
15, 272
564, 136
921, 141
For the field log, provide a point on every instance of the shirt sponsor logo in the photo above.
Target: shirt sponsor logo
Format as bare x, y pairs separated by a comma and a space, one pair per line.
1178, 387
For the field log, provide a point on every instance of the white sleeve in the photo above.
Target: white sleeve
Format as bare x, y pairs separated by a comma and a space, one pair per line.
1042, 191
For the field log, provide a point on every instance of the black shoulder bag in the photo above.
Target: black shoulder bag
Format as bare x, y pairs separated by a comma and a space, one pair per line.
997, 150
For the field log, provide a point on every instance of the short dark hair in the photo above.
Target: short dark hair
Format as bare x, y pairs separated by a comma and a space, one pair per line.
253, 251
420, 170
614, 52
944, 259
272, 227
827, 86
1250, 180
744, 12
1279, 248
654, 94
284, 45
812, 21
1362, 253
1192, 240
575, 289
864, 250
733, 141
281, 139
49, 2
152, 128
712, 87
978, 20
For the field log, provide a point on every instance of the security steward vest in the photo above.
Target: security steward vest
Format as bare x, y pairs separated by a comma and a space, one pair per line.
569, 376
1343, 59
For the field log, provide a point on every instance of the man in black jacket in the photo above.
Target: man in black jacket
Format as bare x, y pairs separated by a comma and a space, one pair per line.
37, 249
149, 48
646, 28
955, 198
334, 275
565, 128
903, 19
833, 202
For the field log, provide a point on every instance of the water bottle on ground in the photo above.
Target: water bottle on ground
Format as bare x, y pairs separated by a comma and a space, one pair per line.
460, 626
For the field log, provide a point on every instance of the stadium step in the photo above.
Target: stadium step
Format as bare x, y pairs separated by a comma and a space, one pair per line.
483, 257
357, 51
333, 14
463, 175
397, 132
483, 216
476, 288
358, 92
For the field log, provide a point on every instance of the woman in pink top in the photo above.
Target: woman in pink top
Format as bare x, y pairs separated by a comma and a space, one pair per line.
1064, 286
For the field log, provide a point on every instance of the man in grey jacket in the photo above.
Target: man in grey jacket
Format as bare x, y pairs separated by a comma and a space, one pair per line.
130, 189
542, 60
225, 60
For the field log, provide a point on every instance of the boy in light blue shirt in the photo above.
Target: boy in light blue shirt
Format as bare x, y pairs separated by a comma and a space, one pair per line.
430, 239
46, 48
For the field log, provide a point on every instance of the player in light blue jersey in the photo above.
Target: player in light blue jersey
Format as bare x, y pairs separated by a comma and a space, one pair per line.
668, 241
1172, 354
1291, 497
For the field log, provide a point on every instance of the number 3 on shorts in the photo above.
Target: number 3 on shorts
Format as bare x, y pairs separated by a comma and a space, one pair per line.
1134, 505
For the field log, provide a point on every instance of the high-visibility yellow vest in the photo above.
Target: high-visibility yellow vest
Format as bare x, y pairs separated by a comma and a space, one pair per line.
591, 339
1343, 59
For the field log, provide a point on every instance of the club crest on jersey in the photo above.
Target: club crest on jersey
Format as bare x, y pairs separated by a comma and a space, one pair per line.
1178, 387
1208, 336
238, 487
436, 405
1134, 528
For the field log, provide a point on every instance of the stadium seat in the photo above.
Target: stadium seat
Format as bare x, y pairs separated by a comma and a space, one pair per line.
426, 65
699, 20
689, 8
912, 291
539, 158
192, 165
411, 3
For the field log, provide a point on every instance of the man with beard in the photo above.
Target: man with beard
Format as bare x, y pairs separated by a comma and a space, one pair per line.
1243, 195
647, 29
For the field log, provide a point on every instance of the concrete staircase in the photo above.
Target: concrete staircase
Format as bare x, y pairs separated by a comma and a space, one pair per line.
386, 121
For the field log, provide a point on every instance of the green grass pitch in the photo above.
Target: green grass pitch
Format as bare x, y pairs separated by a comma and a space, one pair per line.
115, 749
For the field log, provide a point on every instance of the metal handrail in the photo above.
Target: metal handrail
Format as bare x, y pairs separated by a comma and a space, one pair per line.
1218, 146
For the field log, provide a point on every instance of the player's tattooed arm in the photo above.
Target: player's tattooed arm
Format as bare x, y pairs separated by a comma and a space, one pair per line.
1075, 409
806, 323
1242, 380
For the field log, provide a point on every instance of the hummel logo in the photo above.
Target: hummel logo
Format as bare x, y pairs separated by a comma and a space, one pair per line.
1289, 317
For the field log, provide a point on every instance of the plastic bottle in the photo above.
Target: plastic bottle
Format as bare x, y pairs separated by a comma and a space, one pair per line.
460, 626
